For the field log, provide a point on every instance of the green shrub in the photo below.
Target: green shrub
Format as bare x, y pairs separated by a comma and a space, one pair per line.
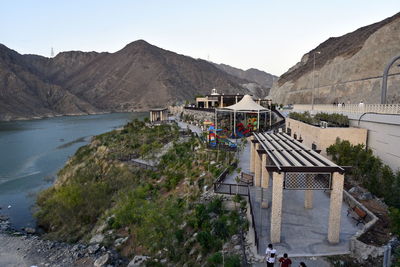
378, 178
215, 259
233, 261
334, 119
395, 220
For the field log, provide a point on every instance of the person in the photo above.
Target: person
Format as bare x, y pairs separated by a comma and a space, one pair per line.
285, 261
270, 255
302, 264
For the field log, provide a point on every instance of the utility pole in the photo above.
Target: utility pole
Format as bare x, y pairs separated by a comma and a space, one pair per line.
312, 93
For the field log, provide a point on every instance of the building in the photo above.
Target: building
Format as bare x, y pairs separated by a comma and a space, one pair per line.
158, 114
320, 138
217, 100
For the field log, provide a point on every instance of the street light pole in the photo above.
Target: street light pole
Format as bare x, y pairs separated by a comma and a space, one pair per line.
270, 113
312, 93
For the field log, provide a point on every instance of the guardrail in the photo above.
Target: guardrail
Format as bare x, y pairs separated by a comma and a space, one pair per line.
201, 109
352, 108
253, 224
231, 189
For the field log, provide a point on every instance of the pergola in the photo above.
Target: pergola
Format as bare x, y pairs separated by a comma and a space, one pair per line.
293, 166
158, 114
245, 105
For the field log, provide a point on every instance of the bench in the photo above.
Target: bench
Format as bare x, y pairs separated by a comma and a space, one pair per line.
246, 178
357, 214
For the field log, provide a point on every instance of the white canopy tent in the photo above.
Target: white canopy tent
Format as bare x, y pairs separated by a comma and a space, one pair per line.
245, 105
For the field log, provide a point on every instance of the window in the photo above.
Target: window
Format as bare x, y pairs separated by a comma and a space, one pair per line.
314, 146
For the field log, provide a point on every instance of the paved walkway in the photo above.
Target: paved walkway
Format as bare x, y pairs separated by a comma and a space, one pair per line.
244, 164
304, 231
184, 125
309, 261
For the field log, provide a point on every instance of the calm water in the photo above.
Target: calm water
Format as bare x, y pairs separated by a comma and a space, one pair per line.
31, 153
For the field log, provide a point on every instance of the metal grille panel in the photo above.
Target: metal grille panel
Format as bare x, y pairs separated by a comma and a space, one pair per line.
307, 181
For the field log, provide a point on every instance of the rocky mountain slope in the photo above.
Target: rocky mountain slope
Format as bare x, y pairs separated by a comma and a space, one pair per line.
25, 93
137, 77
348, 68
260, 82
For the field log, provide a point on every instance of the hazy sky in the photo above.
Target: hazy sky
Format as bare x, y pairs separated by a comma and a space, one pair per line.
269, 35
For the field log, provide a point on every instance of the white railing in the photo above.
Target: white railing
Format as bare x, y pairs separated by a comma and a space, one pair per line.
352, 108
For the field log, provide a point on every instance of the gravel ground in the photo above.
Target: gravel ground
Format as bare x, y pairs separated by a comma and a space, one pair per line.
32, 251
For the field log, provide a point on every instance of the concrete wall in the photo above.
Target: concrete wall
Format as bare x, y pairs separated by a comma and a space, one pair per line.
200, 115
324, 137
383, 136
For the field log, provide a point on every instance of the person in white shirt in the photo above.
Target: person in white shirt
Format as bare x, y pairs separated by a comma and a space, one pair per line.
270, 254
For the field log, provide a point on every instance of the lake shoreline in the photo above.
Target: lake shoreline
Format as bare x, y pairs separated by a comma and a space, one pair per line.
49, 116
20, 248
34, 150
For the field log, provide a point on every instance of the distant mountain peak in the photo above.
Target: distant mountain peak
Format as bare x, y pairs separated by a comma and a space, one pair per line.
137, 77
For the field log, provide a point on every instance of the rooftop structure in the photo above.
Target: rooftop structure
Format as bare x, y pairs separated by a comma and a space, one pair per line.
158, 114
293, 166
218, 100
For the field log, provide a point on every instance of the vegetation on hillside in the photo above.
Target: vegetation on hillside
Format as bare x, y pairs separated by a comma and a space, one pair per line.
334, 120
159, 210
369, 170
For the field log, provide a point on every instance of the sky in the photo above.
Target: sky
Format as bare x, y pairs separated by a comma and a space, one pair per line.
268, 35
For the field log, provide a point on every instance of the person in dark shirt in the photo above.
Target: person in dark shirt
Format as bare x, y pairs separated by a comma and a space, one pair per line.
285, 261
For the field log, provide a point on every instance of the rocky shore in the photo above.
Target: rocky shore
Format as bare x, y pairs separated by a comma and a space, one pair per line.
25, 248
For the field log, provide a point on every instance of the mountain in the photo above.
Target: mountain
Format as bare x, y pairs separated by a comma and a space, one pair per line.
260, 82
347, 68
137, 77
24, 93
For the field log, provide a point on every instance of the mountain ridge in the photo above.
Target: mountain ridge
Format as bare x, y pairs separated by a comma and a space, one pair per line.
137, 77
345, 68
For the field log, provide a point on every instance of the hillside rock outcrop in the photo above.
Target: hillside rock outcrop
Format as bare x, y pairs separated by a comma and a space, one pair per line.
348, 68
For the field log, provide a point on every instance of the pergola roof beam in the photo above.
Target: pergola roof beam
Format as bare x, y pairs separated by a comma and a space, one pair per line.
287, 154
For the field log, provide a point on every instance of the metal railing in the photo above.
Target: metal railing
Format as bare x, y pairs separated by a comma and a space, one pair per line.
352, 108
231, 189
201, 109
253, 223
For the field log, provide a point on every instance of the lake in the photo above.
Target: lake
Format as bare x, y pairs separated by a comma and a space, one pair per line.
32, 152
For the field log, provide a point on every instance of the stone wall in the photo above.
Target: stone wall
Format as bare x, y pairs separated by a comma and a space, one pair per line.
324, 137
348, 79
199, 115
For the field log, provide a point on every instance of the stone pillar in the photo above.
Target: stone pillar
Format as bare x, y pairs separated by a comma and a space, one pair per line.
222, 102
235, 99
257, 167
252, 145
264, 179
276, 211
264, 172
206, 102
335, 207
308, 194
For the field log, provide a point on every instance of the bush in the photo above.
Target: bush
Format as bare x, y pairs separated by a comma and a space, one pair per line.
334, 120
232, 261
216, 259
378, 178
394, 215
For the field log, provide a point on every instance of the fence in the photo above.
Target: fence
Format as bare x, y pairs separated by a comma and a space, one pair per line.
231, 189
253, 223
201, 109
352, 108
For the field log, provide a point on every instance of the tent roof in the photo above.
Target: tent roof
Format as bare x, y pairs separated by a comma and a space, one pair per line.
245, 104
